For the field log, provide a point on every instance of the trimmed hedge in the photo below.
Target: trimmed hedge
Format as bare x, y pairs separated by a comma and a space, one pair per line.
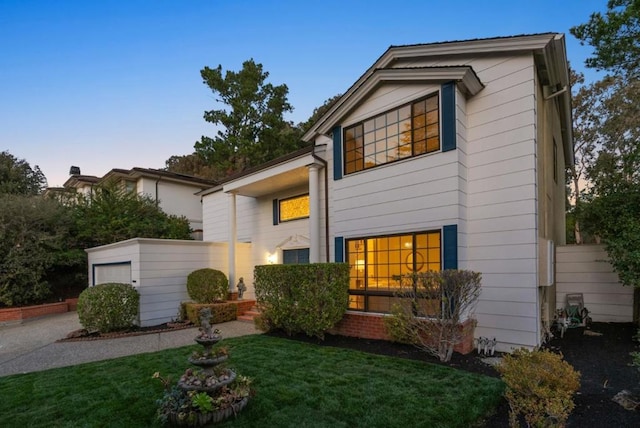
207, 286
220, 312
108, 307
308, 298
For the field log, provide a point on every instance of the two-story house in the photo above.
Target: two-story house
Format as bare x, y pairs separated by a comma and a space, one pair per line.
442, 155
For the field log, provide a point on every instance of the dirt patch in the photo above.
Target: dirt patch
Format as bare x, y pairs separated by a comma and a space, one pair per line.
601, 356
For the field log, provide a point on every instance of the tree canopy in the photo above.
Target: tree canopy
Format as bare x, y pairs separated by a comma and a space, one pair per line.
252, 118
18, 178
615, 37
112, 214
607, 124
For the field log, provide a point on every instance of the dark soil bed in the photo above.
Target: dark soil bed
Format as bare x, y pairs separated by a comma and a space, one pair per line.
82, 334
602, 360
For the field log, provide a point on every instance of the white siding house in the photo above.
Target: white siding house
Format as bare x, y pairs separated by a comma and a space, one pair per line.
444, 155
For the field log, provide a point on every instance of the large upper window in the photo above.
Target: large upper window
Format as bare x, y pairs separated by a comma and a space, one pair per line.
378, 263
410, 130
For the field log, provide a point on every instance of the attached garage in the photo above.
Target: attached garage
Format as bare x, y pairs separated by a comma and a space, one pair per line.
158, 269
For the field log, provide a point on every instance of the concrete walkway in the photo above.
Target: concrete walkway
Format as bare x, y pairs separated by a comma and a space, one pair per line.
31, 346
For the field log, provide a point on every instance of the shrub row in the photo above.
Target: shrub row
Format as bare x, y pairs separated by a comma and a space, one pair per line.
220, 312
304, 298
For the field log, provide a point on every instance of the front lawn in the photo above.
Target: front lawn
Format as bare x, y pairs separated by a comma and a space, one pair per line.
297, 385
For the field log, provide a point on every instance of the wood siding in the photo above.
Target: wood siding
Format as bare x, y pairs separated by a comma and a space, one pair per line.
487, 186
159, 270
586, 269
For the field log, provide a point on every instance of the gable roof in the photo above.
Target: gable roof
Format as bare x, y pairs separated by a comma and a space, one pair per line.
137, 172
548, 49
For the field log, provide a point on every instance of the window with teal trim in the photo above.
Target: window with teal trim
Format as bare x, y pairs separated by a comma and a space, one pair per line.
410, 130
378, 263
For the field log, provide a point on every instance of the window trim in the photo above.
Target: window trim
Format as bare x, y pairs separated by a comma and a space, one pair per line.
436, 93
364, 290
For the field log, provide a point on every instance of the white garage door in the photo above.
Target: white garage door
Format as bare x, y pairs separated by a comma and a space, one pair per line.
112, 272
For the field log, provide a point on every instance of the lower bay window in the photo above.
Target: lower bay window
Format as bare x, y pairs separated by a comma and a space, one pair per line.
377, 265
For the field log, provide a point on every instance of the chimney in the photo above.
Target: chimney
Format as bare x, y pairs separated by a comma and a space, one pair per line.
74, 170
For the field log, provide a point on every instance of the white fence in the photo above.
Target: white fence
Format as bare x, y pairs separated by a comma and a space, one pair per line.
585, 269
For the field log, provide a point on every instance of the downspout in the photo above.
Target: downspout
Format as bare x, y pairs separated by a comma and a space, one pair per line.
326, 203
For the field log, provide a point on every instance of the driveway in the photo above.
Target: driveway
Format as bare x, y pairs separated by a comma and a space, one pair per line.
31, 346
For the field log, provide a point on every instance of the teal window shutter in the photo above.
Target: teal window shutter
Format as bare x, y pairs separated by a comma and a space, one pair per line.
450, 246
448, 116
275, 212
337, 153
339, 244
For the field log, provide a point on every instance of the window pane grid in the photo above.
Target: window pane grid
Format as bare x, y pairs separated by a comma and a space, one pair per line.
377, 265
410, 130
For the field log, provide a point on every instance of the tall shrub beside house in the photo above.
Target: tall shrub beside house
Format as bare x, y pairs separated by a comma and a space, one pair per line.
304, 298
431, 308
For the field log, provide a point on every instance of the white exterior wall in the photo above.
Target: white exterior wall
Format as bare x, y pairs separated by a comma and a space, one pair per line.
267, 236
586, 269
408, 195
487, 186
175, 198
159, 270
215, 217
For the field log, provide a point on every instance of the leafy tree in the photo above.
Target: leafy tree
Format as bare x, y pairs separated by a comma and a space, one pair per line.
615, 37
18, 178
252, 116
114, 214
192, 164
613, 128
33, 238
318, 112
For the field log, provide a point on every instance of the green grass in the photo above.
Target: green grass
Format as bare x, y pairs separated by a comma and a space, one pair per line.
297, 385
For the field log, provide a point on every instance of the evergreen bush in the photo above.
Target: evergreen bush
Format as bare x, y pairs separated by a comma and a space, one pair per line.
304, 298
108, 307
207, 286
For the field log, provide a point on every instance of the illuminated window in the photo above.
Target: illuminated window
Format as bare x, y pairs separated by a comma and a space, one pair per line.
378, 263
293, 208
411, 130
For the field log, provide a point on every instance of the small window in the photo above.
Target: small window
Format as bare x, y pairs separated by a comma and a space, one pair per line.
293, 208
295, 256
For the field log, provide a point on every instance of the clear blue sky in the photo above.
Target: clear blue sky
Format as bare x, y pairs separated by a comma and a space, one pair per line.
105, 84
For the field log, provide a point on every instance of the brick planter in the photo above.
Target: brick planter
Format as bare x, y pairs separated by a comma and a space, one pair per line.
11, 315
371, 326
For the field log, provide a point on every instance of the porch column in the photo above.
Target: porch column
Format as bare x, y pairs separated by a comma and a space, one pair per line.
233, 232
314, 214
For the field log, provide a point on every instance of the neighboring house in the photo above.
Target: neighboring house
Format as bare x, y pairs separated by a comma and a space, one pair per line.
174, 193
443, 155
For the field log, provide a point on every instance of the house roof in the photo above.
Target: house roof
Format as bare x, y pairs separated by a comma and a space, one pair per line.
548, 49
137, 172
77, 179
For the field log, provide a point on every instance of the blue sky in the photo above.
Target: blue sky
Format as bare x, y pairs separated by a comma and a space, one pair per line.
116, 84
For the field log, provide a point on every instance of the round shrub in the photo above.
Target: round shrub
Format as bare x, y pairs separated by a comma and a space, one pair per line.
207, 286
108, 307
540, 387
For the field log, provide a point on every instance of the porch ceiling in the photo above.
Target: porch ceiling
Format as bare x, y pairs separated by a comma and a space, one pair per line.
277, 178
